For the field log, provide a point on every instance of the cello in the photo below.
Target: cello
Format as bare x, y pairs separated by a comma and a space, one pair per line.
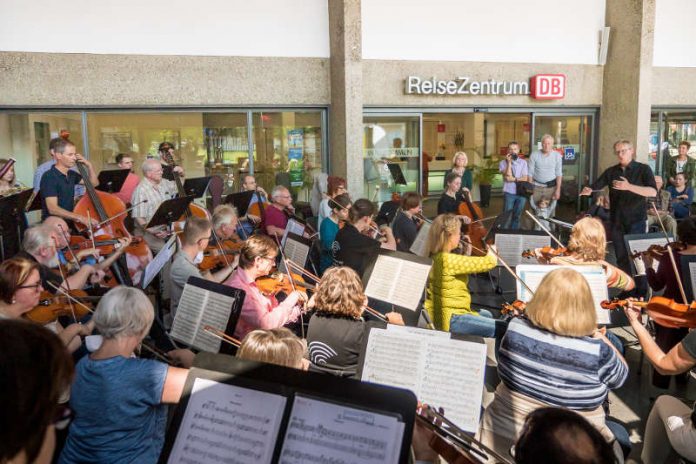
109, 209
193, 208
476, 229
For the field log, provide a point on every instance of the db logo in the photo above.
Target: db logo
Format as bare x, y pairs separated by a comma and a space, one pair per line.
548, 86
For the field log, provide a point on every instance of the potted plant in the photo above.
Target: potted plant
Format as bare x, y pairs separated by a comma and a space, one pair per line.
484, 175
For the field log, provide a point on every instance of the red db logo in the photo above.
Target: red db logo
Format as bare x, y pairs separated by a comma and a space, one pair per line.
548, 86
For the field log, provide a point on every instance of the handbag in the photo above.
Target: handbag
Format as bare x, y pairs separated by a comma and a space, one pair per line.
524, 188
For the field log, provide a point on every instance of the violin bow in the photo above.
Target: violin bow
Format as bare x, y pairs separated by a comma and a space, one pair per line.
508, 268
671, 255
292, 281
67, 284
544, 228
222, 335
219, 246
67, 240
71, 299
291, 264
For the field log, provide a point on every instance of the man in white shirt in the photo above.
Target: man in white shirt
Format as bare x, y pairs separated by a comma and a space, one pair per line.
546, 170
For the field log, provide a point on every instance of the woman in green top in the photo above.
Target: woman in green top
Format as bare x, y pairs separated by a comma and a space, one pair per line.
448, 286
459, 163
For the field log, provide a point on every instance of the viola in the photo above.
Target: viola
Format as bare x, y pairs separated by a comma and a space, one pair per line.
656, 251
516, 308
51, 307
278, 282
109, 209
213, 257
665, 311
476, 230
546, 252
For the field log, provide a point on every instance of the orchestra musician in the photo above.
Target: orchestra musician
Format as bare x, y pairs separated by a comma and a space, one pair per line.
225, 224
125, 161
664, 278
257, 259
337, 326
8, 182
334, 186
561, 324
452, 196
670, 425
404, 225
155, 190
58, 184
352, 247
340, 206
274, 346
20, 291
42, 168
261, 197
36, 372
194, 240
448, 286
631, 182
275, 217
587, 245
119, 400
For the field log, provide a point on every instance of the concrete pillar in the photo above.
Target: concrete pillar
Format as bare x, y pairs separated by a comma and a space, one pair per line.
626, 93
345, 114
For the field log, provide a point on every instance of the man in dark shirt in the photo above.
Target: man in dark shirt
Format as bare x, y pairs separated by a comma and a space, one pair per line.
630, 184
58, 184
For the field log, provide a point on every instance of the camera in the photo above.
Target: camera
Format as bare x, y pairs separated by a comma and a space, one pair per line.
515, 156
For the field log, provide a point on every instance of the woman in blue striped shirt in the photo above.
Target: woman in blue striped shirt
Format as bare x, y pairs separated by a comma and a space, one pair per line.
554, 357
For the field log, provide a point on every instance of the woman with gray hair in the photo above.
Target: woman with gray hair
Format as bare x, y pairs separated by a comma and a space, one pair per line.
119, 400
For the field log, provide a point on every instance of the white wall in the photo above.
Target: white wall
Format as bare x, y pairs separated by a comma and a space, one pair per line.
518, 31
674, 33
167, 27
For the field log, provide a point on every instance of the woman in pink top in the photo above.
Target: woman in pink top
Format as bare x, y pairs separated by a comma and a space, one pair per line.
256, 259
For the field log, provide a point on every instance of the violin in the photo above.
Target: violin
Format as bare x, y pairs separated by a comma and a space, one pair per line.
665, 311
51, 306
546, 252
656, 251
516, 308
105, 244
476, 230
278, 282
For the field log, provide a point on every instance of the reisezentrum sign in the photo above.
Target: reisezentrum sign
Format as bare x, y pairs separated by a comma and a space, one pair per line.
541, 86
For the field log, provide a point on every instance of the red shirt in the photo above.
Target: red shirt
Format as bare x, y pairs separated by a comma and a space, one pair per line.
272, 216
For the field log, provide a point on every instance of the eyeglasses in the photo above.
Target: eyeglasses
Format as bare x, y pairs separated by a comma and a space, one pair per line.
62, 418
34, 286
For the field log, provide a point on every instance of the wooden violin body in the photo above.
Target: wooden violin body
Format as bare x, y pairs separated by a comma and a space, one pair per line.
516, 308
476, 230
546, 252
213, 257
664, 311
278, 282
656, 251
51, 307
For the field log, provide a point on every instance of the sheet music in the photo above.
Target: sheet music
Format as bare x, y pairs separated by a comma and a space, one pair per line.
595, 275
295, 251
692, 277
227, 423
197, 308
398, 281
323, 432
644, 244
420, 244
296, 227
441, 371
511, 246
155, 266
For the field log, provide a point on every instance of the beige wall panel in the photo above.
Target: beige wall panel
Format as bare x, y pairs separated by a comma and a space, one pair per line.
44, 79
383, 83
673, 86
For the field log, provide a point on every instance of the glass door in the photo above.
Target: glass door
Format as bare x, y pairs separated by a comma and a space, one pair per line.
573, 140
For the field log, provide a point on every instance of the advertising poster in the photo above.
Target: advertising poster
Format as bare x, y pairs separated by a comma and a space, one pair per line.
295, 157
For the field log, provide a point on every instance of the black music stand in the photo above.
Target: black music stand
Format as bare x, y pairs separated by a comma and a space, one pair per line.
396, 173
170, 211
499, 222
240, 200
113, 180
34, 204
196, 186
13, 222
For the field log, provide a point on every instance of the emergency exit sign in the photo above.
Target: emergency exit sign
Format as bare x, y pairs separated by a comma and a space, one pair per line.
548, 86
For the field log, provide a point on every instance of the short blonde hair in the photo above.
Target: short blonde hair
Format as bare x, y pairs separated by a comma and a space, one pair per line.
340, 292
275, 346
457, 155
442, 228
588, 240
563, 304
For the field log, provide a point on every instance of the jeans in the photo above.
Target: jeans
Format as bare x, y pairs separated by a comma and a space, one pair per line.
481, 325
516, 204
621, 435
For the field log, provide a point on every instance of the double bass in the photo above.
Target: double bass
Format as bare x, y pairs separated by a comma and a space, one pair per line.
110, 210
193, 208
